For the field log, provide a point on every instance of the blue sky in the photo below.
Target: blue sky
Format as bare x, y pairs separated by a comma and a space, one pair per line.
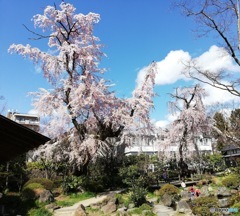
134, 32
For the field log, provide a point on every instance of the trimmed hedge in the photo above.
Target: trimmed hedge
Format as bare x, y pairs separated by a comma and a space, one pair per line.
231, 181
168, 189
46, 183
31, 190
202, 205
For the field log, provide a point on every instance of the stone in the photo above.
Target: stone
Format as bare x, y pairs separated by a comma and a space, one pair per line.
46, 196
109, 208
51, 207
183, 207
185, 195
223, 203
80, 211
205, 191
167, 200
223, 192
234, 191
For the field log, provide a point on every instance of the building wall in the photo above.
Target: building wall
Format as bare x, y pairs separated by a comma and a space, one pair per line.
155, 143
27, 120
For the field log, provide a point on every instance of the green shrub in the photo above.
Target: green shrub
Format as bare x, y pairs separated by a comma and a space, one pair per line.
168, 189
144, 209
235, 199
231, 181
34, 186
202, 205
236, 205
71, 184
138, 195
47, 184
29, 191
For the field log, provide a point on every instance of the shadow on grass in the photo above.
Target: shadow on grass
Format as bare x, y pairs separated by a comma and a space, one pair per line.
13, 205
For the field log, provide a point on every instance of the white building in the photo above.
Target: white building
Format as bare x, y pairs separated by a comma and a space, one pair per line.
28, 120
154, 144
141, 144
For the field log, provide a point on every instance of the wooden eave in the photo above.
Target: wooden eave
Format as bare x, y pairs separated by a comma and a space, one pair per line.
16, 139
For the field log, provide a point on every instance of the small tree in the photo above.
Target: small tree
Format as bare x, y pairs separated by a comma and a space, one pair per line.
135, 176
191, 122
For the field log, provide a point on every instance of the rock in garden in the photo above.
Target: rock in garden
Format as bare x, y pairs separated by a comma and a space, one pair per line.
109, 208
46, 196
183, 207
80, 211
167, 200
223, 192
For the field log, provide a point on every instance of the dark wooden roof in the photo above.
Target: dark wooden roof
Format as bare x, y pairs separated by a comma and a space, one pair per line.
16, 139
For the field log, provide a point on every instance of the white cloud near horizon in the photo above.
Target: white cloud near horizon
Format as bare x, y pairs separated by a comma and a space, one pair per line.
171, 68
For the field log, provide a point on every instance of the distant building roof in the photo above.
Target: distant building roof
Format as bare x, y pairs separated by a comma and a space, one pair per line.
15, 139
230, 147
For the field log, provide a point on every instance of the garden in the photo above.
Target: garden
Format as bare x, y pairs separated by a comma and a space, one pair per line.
129, 186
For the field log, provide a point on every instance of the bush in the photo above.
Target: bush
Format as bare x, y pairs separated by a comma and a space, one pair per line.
138, 195
71, 184
231, 181
201, 205
46, 183
168, 189
235, 199
31, 190
144, 209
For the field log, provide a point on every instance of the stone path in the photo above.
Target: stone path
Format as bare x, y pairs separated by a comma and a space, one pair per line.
159, 209
68, 211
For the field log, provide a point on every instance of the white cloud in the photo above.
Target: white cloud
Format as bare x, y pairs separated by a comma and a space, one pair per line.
169, 69
216, 59
33, 112
164, 123
216, 95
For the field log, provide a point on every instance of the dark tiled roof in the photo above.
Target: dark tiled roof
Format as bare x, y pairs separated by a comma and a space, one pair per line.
230, 147
15, 139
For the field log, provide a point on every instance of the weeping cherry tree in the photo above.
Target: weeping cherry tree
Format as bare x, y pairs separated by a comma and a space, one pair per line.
80, 109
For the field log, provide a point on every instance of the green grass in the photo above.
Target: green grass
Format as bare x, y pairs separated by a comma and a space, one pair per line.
74, 198
139, 211
39, 212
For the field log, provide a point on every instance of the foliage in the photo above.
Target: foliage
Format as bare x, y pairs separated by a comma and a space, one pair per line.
31, 190
103, 173
80, 109
201, 205
221, 123
13, 174
212, 163
191, 120
74, 198
46, 183
136, 177
39, 212
138, 195
235, 199
71, 184
168, 189
144, 209
231, 181
14, 205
